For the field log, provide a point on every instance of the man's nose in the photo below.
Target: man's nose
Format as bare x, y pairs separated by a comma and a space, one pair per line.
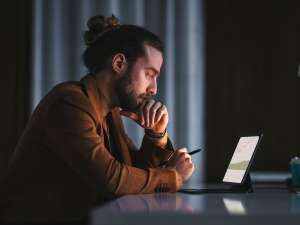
152, 88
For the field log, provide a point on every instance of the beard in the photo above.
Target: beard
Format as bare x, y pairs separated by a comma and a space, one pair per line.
128, 98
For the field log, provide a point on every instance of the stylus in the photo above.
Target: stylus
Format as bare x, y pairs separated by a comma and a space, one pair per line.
166, 161
195, 151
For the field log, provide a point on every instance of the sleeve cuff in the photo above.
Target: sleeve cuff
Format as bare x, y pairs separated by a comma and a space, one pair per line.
176, 180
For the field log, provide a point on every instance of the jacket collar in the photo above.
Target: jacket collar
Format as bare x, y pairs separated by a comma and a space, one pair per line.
102, 109
96, 97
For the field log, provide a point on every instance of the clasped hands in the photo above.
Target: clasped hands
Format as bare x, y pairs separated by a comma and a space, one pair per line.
153, 115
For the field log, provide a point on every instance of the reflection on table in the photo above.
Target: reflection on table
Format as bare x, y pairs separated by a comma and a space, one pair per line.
271, 206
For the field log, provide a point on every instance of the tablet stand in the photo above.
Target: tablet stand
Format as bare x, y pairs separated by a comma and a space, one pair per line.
246, 186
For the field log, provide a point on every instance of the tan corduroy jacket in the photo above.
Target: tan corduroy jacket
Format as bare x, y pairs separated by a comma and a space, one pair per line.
63, 165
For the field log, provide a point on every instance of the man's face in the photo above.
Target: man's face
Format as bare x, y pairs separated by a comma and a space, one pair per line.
139, 82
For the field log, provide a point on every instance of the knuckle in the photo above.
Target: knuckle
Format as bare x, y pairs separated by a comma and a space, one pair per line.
181, 157
178, 152
182, 150
151, 101
152, 109
162, 108
148, 107
158, 104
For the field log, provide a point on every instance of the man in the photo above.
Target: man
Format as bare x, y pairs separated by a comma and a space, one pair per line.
74, 152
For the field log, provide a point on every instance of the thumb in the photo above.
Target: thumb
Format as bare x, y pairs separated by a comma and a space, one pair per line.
130, 115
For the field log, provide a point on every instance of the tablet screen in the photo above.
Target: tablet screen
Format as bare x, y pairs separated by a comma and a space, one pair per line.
240, 159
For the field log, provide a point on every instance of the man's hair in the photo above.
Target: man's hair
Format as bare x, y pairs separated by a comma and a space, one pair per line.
106, 37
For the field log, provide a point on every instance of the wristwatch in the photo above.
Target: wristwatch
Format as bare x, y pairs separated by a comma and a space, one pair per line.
155, 135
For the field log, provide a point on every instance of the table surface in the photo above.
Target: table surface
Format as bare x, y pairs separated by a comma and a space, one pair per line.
266, 205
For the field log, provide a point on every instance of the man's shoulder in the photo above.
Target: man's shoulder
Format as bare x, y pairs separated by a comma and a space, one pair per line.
66, 93
72, 92
68, 87
69, 97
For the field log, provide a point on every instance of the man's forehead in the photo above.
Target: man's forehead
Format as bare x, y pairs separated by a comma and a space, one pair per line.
153, 57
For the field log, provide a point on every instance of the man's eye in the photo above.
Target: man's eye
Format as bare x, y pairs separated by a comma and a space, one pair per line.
149, 74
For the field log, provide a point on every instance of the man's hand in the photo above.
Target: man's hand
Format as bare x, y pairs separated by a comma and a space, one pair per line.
152, 115
181, 161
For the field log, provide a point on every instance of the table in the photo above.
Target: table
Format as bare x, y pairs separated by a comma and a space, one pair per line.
266, 205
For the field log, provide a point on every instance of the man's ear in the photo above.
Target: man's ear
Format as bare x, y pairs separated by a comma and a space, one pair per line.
119, 63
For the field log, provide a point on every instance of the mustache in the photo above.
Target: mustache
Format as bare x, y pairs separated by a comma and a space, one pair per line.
145, 98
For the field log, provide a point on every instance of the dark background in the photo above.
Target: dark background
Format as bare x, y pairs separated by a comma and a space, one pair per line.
252, 55
15, 17
253, 51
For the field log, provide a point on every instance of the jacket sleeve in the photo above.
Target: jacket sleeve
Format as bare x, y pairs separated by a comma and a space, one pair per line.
152, 152
71, 133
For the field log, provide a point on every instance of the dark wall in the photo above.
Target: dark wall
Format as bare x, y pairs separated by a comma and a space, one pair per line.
253, 51
14, 61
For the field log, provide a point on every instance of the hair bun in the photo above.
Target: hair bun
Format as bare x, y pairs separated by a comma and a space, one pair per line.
96, 23
97, 26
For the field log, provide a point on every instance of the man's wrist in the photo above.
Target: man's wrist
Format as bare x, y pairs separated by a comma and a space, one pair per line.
155, 135
160, 139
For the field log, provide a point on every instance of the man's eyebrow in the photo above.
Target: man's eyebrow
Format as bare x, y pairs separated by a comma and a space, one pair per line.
155, 70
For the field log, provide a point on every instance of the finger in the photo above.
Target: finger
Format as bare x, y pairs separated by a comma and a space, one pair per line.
141, 114
130, 115
189, 165
182, 150
146, 111
188, 160
180, 158
188, 156
160, 112
184, 156
153, 113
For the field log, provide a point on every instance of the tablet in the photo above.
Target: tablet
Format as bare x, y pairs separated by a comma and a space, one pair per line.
236, 178
241, 159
